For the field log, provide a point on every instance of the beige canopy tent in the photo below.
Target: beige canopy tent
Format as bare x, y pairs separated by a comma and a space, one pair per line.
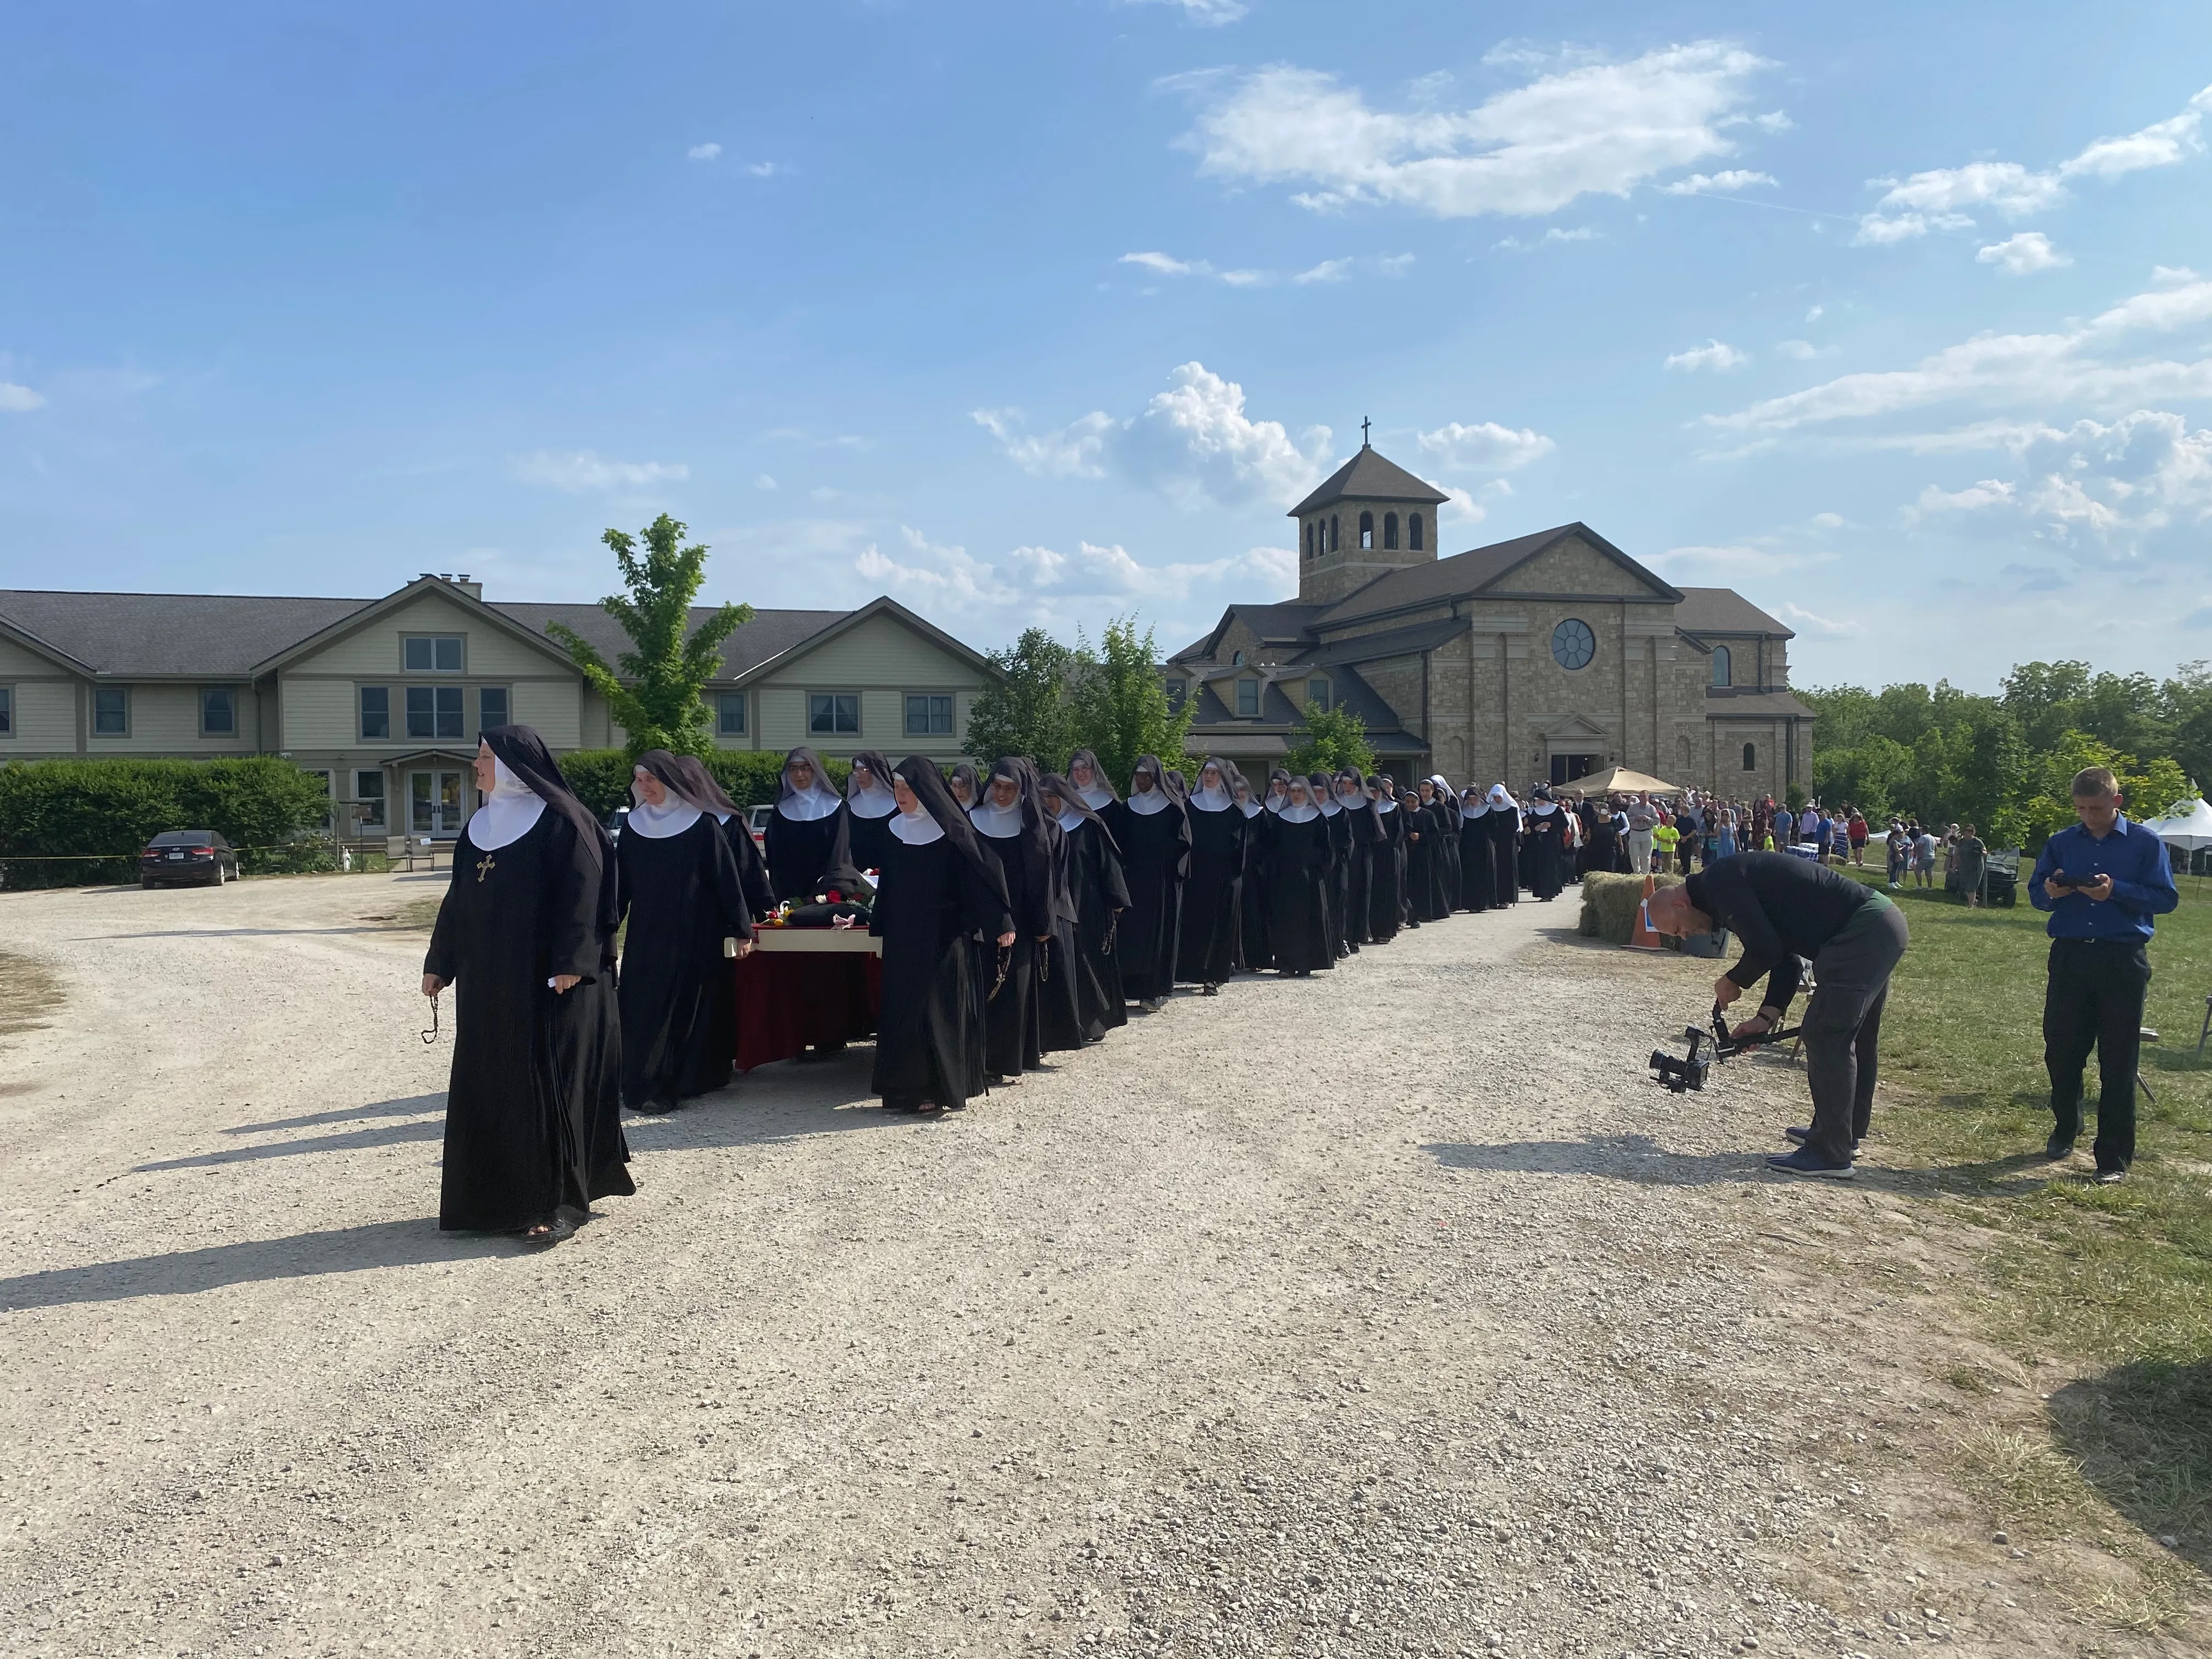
1618, 780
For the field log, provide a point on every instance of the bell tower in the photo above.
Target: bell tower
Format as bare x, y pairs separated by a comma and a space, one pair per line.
1370, 517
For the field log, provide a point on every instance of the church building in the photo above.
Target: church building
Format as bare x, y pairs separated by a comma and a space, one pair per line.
1545, 657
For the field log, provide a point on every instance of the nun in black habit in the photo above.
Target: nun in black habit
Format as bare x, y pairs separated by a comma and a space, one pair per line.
1504, 822
1548, 852
526, 936
681, 893
1445, 805
869, 804
1386, 891
966, 786
1298, 913
1208, 950
1474, 886
1253, 950
1094, 881
1322, 795
1364, 833
1011, 821
1154, 835
807, 854
1424, 844
1060, 1012
942, 904
699, 785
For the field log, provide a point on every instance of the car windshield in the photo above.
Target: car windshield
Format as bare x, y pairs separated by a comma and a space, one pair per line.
183, 838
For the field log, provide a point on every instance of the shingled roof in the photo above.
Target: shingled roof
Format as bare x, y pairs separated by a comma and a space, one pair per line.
1464, 575
769, 634
158, 636
1368, 477
1724, 610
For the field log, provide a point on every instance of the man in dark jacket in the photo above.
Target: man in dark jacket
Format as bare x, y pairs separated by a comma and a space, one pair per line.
1782, 907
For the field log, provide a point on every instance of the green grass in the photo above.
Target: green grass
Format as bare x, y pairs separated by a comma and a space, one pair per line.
2119, 1277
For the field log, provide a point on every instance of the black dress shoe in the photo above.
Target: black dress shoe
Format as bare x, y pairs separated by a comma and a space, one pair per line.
2058, 1148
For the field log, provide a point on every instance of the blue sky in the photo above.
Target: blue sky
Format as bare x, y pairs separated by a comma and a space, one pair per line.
1897, 319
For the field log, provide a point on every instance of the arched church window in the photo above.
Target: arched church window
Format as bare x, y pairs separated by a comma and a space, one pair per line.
1237, 659
1333, 542
1414, 530
1723, 670
1390, 529
1367, 529
1750, 757
1573, 645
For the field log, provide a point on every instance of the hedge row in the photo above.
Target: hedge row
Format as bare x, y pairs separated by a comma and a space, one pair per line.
52, 810
601, 776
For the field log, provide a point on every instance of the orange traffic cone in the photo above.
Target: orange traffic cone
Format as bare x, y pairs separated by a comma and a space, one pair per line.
1641, 938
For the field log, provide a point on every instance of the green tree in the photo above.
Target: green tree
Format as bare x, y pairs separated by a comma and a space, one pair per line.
2150, 787
1121, 706
1329, 740
669, 664
2186, 702
1031, 711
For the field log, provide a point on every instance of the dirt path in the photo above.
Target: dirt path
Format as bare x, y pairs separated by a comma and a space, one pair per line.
1392, 1312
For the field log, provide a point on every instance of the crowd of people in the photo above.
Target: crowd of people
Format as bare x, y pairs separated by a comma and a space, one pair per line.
1021, 913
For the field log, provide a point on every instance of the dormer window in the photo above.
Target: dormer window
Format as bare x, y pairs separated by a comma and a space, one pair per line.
1723, 672
1248, 698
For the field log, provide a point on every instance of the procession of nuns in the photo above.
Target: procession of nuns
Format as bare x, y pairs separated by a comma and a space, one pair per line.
1020, 914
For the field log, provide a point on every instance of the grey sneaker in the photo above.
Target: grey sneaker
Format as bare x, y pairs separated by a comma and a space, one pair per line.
1802, 1136
1806, 1162
2109, 1177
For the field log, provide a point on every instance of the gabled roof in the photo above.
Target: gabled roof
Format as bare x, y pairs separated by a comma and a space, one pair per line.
767, 635
165, 635
1282, 623
1724, 610
366, 616
1721, 703
1470, 574
1369, 476
1388, 642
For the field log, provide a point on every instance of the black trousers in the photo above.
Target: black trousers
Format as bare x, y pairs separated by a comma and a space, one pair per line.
1843, 1028
2094, 999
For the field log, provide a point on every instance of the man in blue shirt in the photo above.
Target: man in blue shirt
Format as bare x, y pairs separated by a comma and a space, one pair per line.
1785, 829
2102, 881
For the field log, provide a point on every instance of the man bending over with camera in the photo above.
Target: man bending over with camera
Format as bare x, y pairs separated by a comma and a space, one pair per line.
1783, 906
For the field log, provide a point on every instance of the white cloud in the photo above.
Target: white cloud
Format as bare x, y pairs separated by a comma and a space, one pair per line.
1167, 265
1329, 270
764, 169
1820, 627
2030, 251
18, 400
2139, 487
1700, 184
1209, 13
1816, 313
1193, 443
2098, 362
1395, 265
2008, 188
1874, 231
704, 152
763, 481
1579, 234
1485, 446
576, 470
1034, 583
1797, 350
1591, 128
1714, 354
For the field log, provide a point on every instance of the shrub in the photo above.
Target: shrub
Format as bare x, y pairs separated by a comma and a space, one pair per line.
109, 809
1609, 902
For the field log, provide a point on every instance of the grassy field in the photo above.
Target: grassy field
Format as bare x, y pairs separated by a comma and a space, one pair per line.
2117, 1278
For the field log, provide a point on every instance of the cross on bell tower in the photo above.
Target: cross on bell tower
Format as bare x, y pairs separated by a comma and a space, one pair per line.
1364, 424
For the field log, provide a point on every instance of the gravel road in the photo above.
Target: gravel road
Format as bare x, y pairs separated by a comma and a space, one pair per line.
1391, 1312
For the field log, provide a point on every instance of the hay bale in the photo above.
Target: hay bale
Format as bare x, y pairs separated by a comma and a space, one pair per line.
1609, 903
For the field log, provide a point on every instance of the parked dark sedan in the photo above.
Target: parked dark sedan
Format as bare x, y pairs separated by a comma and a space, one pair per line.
199, 857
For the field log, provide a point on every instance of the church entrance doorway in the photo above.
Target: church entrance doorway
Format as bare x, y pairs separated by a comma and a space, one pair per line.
1566, 768
434, 802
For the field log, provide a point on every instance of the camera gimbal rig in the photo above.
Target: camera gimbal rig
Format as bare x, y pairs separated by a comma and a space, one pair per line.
1688, 1072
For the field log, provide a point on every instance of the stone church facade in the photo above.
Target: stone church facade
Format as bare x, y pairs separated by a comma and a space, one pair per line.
1544, 658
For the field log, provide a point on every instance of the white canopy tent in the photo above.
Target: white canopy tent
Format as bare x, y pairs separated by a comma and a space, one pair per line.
2187, 824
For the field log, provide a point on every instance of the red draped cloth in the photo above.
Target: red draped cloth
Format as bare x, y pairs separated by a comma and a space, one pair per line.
790, 1001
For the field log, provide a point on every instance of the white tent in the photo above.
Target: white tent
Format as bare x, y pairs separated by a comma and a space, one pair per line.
2188, 825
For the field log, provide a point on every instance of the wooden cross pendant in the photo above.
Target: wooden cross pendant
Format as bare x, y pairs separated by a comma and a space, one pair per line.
484, 867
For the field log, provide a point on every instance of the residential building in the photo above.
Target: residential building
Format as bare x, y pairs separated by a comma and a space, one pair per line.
385, 697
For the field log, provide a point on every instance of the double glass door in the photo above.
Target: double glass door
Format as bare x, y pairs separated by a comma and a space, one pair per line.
434, 802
